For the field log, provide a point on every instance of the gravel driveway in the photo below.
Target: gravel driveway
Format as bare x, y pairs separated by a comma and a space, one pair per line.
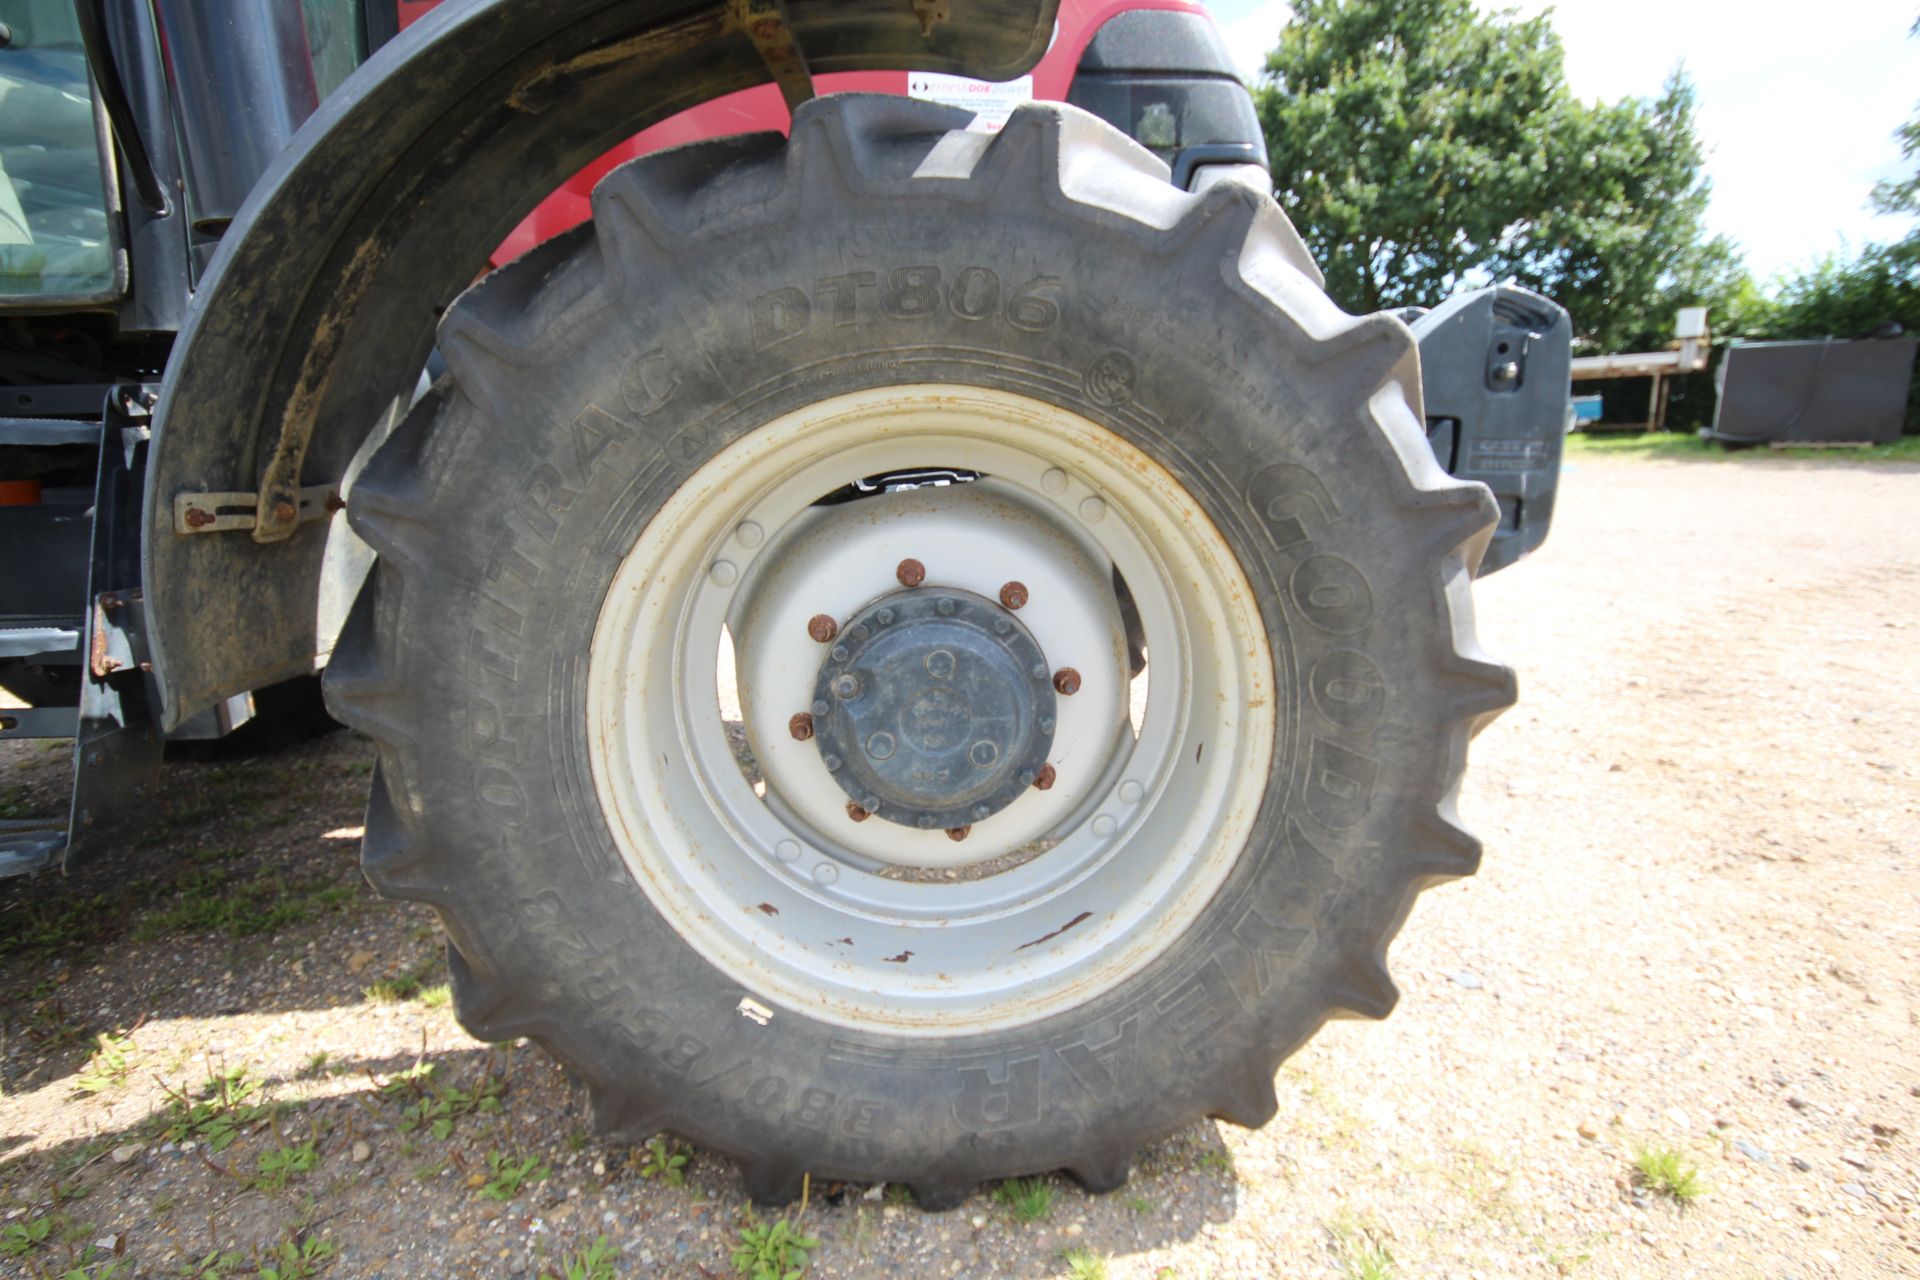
1694, 940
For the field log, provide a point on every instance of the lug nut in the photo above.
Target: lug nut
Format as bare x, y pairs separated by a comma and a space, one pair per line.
910, 572
801, 726
1066, 682
857, 813
1044, 780
957, 834
1013, 595
822, 628
285, 512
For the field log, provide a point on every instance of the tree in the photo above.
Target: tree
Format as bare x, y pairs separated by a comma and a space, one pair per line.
1420, 146
1903, 195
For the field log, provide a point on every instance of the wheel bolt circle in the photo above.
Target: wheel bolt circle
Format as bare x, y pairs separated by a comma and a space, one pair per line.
1013, 594
910, 572
1044, 781
801, 726
1066, 682
857, 813
822, 628
846, 685
957, 834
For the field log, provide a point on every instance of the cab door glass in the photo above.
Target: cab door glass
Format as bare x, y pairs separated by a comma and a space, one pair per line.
56, 240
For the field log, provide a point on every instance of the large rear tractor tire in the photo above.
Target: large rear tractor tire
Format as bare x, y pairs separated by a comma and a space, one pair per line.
748, 650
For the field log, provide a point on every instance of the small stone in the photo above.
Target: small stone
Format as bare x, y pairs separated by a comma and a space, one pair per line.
979, 1220
1679, 1119
1074, 1229
1471, 981
358, 961
599, 1168
126, 1152
874, 1192
1589, 1130
1754, 1153
361, 1152
108, 1244
1800, 1164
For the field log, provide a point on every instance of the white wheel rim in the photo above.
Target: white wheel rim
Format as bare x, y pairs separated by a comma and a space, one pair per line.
792, 903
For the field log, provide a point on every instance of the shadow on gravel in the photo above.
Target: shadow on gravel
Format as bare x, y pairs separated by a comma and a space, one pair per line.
217, 1039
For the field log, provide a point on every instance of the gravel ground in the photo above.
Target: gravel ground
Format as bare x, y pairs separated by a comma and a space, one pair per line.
1695, 932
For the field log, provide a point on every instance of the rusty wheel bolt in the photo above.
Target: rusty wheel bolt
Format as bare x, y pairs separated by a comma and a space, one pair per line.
285, 513
855, 812
1013, 594
822, 628
957, 834
198, 519
1066, 682
910, 572
801, 726
1044, 780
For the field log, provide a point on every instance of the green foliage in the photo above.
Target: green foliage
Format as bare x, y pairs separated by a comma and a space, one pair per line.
17, 1239
1422, 146
301, 1261
438, 1107
509, 1176
113, 1061
213, 901
221, 1111
1665, 1171
1030, 1199
280, 1164
665, 1160
1902, 195
772, 1251
595, 1262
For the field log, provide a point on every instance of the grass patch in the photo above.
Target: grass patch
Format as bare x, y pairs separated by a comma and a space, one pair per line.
1084, 1264
1679, 446
300, 1260
1362, 1253
215, 901
437, 1108
1029, 1199
1666, 1171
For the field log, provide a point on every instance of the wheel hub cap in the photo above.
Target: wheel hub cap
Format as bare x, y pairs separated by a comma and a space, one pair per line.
934, 708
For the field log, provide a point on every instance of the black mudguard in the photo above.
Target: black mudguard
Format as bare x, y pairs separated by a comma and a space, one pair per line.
1496, 368
319, 311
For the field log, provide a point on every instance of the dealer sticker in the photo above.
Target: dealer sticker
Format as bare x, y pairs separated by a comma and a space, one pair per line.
990, 101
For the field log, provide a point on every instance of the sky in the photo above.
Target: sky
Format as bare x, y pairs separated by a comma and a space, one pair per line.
1797, 102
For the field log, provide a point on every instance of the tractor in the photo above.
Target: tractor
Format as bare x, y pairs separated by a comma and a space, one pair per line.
906, 637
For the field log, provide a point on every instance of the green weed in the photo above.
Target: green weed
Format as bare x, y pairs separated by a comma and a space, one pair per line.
510, 1175
439, 1108
214, 901
113, 1060
1029, 1199
773, 1250
276, 1167
1363, 1255
665, 1160
302, 1261
595, 1262
1667, 1172
213, 1265
438, 996
1084, 1264
224, 1108
17, 1239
